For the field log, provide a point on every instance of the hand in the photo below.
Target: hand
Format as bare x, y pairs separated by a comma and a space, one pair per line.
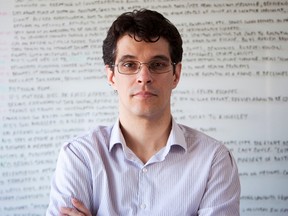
79, 210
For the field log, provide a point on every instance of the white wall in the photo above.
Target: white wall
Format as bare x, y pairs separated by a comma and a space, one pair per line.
234, 87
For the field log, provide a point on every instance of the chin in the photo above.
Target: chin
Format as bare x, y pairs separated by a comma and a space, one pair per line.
147, 114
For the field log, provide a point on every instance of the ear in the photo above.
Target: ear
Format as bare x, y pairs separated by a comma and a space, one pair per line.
177, 74
110, 76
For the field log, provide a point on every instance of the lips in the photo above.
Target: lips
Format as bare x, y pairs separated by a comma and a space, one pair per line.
144, 94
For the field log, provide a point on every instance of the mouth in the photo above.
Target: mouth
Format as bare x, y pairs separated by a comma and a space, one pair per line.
144, 94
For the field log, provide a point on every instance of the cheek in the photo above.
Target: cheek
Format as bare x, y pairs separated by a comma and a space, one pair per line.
172, 83
167, 88
122, 85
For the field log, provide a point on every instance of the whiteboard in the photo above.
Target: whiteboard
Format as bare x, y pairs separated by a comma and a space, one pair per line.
234, 87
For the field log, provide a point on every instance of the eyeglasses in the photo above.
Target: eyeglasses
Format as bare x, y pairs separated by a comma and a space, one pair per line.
155, 67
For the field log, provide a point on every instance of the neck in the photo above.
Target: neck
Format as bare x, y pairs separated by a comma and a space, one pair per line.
144, 136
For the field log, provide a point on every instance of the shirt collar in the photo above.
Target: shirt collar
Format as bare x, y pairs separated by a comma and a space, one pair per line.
176, 136
116, 136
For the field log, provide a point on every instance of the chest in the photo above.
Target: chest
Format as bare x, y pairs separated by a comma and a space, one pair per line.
170, 187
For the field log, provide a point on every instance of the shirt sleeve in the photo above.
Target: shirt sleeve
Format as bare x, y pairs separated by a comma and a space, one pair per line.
222, 194
71, 179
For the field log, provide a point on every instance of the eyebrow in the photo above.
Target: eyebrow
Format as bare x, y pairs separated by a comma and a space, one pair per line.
125, 57
156, 57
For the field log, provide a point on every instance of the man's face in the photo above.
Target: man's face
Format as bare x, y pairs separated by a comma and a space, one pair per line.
143, 94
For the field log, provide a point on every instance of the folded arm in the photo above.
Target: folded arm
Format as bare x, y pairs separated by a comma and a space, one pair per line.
72, 179
78, 210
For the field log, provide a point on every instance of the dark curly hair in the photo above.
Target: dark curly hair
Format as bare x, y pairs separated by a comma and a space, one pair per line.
142, 25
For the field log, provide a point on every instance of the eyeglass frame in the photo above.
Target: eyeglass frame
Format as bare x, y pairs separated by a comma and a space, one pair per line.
140, 67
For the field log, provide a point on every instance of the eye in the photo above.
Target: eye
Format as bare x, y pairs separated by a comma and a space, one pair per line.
129, 65
159, 65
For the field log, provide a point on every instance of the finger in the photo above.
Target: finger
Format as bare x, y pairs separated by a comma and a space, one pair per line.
81, 207
64, 211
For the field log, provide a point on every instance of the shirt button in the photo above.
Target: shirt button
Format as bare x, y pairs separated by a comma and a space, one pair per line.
143, 206
144, 170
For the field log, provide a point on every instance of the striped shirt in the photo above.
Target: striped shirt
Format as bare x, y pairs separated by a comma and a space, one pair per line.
192, 175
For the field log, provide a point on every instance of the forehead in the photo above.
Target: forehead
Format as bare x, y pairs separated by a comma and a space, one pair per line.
141, 50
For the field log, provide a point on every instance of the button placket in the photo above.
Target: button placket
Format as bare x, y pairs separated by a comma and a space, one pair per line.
143, 189
143, 206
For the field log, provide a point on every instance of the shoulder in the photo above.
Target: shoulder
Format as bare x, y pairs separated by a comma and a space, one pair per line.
193, 134
97, 135
197, 140
89, 144
207, 151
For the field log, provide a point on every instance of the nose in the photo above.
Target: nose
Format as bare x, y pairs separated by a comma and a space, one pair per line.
144, 75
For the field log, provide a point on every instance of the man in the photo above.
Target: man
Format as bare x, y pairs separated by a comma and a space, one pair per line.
146, 163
